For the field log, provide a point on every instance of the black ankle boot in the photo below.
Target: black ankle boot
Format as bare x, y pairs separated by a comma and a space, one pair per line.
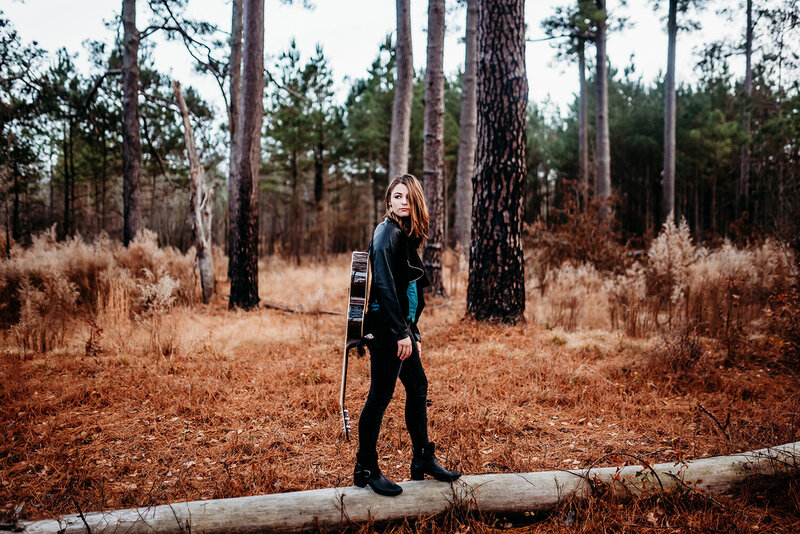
425, 463
368, 472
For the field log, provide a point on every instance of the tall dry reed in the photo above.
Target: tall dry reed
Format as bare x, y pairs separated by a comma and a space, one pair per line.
722, 291
51, 285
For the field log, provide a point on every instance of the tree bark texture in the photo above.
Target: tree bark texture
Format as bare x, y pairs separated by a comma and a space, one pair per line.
603, 146
496, 288
433, 146
403, 93
233, 123
583, 128
467, 140
668, 179
68, 178
131, 144
339, 508
744, 171
244, 275
201, 199
9, 139
320, 200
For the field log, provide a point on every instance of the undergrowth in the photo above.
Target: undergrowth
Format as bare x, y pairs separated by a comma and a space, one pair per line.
51, 286
724, 293
142, 396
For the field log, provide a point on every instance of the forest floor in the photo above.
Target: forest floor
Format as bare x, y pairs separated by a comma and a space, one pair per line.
204, 403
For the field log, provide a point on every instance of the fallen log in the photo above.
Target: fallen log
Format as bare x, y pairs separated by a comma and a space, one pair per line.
340, 507
287, 309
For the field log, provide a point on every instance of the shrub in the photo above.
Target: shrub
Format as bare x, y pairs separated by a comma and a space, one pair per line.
143, 257
48, 285
668, 260
680, 362
577, 236
157, 295
576, 296
728, 288
785, 309
43, 313
722, 291
628, 301
51, 266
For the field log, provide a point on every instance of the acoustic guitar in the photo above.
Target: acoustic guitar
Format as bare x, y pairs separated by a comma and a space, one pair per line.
357, 302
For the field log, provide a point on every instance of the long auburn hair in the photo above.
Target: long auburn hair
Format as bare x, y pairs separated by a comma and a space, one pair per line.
416, 225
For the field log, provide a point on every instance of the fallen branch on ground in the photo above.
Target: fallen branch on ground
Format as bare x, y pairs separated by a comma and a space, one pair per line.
292, 310
517, 492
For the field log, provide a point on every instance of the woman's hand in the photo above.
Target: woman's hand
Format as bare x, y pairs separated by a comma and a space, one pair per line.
419, 348
404, 348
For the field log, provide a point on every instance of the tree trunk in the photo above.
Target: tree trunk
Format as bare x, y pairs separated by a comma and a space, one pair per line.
668, 183
339, 508
714, 214
320, 202
496, 289
603, 149
744, 170
8, 234
295, 223
466, 144
67, 178
131, 145
646, 187
200, 200
104, 154
697, 225
244, 272
16, 231
235, 66
403, 94
71, 162
433, 146
583, 129
371, 207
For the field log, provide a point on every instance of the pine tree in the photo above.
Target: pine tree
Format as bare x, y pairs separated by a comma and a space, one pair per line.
496, 289
244, 277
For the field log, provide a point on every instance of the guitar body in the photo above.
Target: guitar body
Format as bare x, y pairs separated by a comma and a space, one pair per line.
357, 302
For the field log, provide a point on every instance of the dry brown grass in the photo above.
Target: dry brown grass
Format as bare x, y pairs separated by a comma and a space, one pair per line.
247, 403
725, 292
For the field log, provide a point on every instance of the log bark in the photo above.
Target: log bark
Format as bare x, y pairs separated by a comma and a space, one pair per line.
516, 492
403, 93
201, 203
433, 146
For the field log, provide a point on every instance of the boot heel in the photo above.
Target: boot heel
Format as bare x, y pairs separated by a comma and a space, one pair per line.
360, 480
417, 474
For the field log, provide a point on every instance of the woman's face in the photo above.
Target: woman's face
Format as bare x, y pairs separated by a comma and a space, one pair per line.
398, 201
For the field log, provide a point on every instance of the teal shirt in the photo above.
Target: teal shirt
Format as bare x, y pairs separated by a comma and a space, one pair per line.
413, 301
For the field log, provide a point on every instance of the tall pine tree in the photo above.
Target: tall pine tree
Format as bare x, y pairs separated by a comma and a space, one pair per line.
496, 289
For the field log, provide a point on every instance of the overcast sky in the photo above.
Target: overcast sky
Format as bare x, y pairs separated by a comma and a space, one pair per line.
350, 32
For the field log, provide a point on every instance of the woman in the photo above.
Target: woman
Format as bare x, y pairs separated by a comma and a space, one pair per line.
396, 302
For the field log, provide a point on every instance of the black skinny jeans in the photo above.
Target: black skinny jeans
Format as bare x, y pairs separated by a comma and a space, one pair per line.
385, 368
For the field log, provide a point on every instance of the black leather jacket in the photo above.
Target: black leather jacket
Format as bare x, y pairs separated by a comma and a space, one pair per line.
395, 263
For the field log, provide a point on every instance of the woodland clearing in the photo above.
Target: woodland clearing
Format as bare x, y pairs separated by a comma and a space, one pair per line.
198, 402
